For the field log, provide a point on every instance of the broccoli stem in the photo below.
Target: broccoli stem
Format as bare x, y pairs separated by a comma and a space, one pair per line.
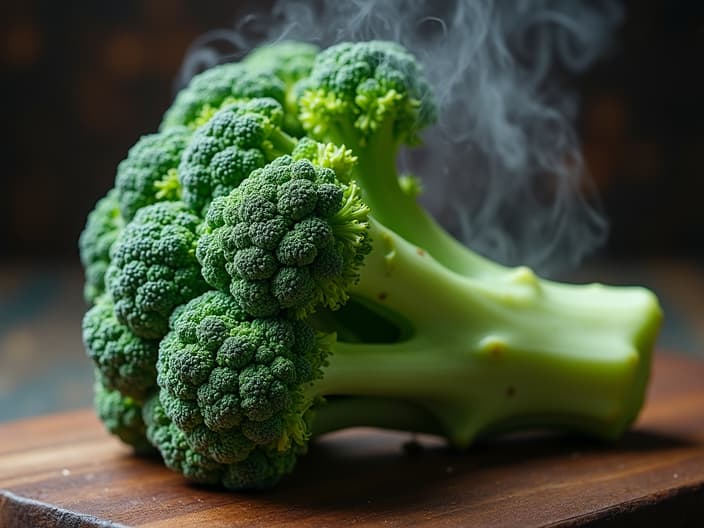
483, 355
377, 175
282, 143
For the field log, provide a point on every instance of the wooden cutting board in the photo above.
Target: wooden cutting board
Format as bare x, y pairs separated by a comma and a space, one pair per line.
64, 470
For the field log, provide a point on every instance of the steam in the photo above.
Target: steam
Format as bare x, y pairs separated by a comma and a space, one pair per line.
502, 168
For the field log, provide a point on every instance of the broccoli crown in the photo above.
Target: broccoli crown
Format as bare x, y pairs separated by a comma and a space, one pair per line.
102, 229
148, 174
211, 89
123, 361
234, 386
153, 268
365, 85
238, 139
121, 416
291, 237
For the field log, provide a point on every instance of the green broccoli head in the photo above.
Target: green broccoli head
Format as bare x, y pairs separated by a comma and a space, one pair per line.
124, 362
291, 237
218, 86
234, 386
236, 140
102, 228
291, 62
153, 268
122, 417
357, 89
148, 174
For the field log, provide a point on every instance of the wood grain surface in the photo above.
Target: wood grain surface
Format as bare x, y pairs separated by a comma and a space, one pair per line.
64, 470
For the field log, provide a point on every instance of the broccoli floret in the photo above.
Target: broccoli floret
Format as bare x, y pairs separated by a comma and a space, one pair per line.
291, 62
124, 362
153, 268
102, 228
358, 90
235, 141
122, 417
291, 237
232, 386
209, 91
149, 174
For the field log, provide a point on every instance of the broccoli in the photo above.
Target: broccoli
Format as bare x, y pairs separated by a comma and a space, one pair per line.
217, 87
468, 355
148, 174
372, 98
153, 268
290, 237
236, 140
123, 361
102, 228
291, 62
122, 416
231, 384
299, 288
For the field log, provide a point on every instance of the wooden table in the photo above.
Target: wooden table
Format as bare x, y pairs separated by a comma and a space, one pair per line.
64, 470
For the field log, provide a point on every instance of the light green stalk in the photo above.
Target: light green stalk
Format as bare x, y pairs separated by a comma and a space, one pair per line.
500, 352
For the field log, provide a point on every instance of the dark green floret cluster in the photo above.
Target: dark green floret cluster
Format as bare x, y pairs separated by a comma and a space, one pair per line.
236, 140
233, 385
261, 274
153, 267
290, 238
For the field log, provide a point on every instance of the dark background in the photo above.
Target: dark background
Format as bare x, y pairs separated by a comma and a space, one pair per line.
82, 80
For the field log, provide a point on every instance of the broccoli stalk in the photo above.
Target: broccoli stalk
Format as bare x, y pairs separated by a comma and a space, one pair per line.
490, 355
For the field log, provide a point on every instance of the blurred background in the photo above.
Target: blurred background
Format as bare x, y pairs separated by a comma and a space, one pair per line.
82, 80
